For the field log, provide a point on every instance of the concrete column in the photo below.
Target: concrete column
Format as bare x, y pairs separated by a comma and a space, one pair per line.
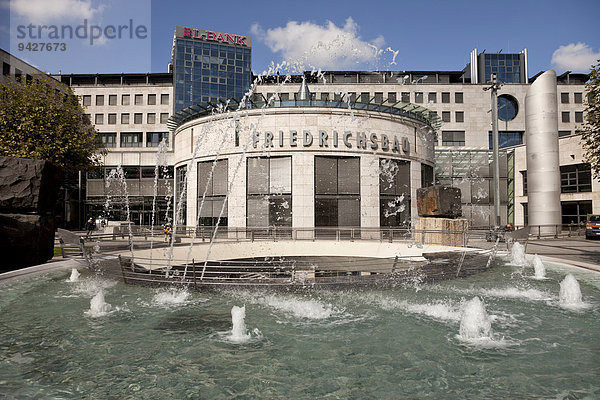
543, 168
192, 195
369, 196
303, 193
415, 183
236, 203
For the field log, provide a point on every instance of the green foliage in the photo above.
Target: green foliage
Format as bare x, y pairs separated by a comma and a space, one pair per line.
42, 119
590, 132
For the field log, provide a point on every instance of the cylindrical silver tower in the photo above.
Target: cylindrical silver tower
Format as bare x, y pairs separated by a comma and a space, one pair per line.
543, 170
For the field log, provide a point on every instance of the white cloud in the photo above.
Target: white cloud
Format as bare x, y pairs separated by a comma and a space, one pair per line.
44, 11
305, 44
574, 57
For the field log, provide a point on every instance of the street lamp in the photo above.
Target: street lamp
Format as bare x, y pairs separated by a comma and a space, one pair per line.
494, 90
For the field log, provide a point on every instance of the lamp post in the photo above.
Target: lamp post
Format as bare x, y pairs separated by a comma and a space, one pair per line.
494, 91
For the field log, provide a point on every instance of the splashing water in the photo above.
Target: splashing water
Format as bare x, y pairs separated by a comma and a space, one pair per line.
239, 333
475, 324
570, 293
517, 255
98, 307
538, 266
171, 297
74, 275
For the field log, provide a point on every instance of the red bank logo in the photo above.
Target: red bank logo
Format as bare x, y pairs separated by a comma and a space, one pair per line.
214, 36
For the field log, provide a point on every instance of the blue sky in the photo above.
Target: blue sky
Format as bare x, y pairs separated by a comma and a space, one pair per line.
433, 35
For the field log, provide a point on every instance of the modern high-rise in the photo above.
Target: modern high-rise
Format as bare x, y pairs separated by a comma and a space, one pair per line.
209, 66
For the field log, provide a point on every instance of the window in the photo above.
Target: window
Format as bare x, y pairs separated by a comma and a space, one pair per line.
164, 98
418, 97
99, 100
445, 116
458, 97
131, 172
564, 98
324, 96
99, 119
578, 98
151, 99
578, 116
153, 139
125, 118
392, 97
112, 99
445, 97
137, 118
164, 117
131, 139
212, 179
432, 97
378, 97
87, 100
337, 191
524, 176
125, 100
565, 116
180, 182
139, 99
459, 116
575, 178
453, 138
107, 139
427, 175
506, 139
269, 192
564, 133
5, 69
508, 107
405, 97
394, 192
112, 119
575, 212
151, 118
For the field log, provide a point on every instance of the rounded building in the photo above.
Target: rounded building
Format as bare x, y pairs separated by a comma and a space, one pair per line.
297, 165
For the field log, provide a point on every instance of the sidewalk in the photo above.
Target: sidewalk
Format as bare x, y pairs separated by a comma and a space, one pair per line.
576, 251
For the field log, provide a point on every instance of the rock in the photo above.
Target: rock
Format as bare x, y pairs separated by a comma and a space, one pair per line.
27, 186
25, 240
439, 201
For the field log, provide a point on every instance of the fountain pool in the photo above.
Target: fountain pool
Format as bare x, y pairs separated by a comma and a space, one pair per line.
396, 343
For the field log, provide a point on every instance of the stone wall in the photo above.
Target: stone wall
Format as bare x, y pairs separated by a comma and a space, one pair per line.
28, 192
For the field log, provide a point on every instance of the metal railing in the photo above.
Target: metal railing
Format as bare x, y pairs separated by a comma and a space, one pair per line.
201, 234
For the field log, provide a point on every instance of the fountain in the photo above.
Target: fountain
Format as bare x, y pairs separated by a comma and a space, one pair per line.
376, 343
98, 307
74, 275
518, 255
570, 293
239, 333
539, 268
475, 324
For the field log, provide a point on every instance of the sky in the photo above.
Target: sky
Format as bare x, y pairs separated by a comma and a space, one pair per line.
136, 35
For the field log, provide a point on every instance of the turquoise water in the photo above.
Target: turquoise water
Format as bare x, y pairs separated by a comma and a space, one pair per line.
400, 343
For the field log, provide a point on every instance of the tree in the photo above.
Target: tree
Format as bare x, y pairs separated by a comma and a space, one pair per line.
590, 132
42, 119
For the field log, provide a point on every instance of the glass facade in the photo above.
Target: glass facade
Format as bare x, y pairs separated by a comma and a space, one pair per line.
394, 192
269, 192
337, 191
472, 172
209, 72
212, 185
506, 66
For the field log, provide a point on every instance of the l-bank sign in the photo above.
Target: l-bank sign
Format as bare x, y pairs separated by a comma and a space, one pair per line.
212, 36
